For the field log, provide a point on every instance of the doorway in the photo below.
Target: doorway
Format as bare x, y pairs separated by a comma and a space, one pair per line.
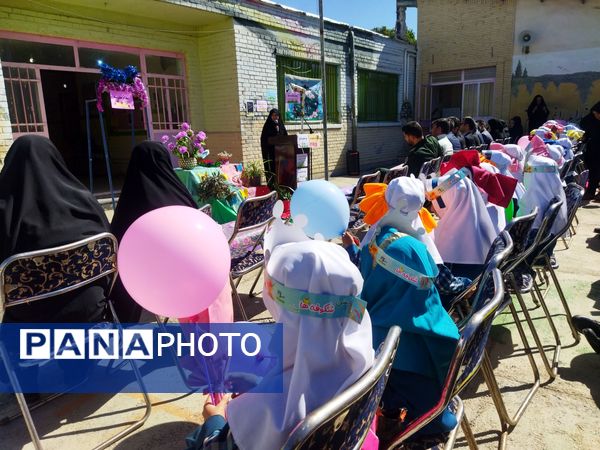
65, 93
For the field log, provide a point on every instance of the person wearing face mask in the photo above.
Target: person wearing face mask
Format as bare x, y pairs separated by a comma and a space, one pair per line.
273, 127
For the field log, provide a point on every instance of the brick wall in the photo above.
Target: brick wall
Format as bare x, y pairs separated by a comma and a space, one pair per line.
465, 34
5, 129
257, 47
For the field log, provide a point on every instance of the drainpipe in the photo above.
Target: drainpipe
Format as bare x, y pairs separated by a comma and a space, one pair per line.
353, 92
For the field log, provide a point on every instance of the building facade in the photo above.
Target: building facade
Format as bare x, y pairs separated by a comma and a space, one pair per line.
489, 58
220, 65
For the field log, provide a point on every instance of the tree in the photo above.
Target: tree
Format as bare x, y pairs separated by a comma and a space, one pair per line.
410, 37
519, 70
525, 73
391, 33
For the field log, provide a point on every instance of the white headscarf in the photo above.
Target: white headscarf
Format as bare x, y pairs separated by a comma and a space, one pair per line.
405, 197
321, 357
540, 189
518, 160
465, 231
503, 163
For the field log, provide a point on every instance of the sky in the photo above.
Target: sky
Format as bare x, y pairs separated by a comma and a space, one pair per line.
362, 13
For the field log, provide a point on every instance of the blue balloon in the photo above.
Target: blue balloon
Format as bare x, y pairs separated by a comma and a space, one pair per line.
325, 207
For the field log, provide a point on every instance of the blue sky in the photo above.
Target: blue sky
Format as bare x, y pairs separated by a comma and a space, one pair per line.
362, 13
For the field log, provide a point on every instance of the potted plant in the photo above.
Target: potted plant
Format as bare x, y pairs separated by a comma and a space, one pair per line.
252, 173
215, 190
284, 193
187, 145
224, 157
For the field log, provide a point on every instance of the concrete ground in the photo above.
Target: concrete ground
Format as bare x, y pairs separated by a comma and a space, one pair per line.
564, 413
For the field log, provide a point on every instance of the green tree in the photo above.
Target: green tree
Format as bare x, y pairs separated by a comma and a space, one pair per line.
525, 73
519, 70
391, 33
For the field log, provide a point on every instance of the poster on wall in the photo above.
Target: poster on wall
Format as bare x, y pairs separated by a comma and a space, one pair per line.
302, 167
303, 96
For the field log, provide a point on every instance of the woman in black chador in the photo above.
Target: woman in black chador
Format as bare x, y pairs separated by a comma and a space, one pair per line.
150, 183
272, 127
43, 205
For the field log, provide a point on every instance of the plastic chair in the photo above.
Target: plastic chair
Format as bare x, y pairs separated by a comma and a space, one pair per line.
253, 219
82, 263
430, 167
399, 171
344, 421
464, 366
356, 214
574, 194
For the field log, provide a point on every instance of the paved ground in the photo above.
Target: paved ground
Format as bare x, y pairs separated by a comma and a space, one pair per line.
564, 414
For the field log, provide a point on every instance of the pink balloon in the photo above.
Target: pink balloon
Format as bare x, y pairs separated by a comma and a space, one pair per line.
174, 261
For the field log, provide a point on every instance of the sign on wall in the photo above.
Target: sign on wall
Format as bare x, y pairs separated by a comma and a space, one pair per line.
303, 97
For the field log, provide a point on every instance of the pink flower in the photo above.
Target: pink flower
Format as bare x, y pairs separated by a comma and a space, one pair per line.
171, 146
197, 145
165, 139
180, 135
185, 126
201, 136
182, 149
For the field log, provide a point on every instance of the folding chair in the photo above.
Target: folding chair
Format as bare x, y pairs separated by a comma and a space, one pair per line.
22, 281
356, 214
540, 241
344, 421
429, 167
464, 366
396, 172
206, 209
542, 259
253, 219
574, 194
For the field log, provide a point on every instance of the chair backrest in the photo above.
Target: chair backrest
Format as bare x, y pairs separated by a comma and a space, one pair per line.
344, 421
255, 212
36, 275
445, 159
402, 171
520, 229
482, 287
566, 169
207, 209
430, 166
466, 359
359, 190
574, 194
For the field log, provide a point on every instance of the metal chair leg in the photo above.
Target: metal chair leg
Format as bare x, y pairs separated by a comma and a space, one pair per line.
35, 438
466, 427
251, 294
536, 292
563, 300
552, 369
238, 299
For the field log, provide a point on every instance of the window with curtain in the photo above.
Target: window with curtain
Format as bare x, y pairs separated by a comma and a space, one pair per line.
310, 69
377, 96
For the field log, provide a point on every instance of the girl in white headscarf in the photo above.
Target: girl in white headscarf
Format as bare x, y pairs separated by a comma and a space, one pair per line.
465, 231
542, 184
322, 355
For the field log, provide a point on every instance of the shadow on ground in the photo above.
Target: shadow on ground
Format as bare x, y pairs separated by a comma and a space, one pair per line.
585, 369
158, 436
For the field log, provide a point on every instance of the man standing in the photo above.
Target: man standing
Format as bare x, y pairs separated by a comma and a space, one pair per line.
422, 149
440, 129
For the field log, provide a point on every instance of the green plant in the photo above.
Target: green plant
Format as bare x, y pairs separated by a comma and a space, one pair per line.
214, 186
283, 192
253, 169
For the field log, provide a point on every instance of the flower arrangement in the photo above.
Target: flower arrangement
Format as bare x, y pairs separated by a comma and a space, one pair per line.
224, 157
187, 144
209, 163
127, 80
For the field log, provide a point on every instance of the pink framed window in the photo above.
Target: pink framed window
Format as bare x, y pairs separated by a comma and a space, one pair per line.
25, 102
168, 105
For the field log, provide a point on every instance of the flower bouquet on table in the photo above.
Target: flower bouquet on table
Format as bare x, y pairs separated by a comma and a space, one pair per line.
224, 157
187, 145
120, 80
